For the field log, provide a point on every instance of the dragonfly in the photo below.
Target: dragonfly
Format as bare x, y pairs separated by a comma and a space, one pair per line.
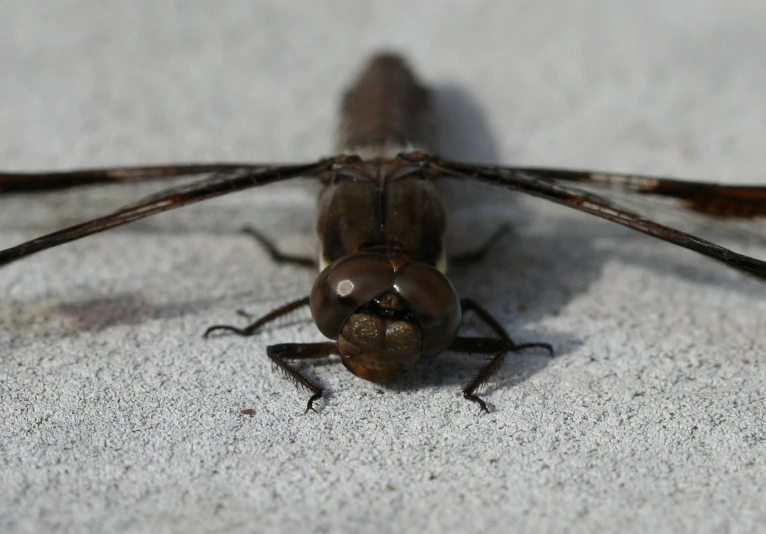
382, 297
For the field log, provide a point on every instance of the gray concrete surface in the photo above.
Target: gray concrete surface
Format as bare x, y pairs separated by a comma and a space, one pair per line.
118, 417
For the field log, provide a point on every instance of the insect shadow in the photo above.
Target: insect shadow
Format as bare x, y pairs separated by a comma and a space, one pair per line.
383, 299
514, 275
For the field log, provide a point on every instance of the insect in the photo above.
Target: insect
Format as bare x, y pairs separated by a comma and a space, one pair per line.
382, 297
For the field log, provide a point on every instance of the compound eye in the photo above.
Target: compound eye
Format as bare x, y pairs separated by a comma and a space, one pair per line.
345, 285
434, 301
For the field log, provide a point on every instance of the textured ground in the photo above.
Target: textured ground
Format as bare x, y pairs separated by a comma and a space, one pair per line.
117, 416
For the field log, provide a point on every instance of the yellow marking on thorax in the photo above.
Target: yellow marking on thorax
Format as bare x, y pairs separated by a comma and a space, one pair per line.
441, 264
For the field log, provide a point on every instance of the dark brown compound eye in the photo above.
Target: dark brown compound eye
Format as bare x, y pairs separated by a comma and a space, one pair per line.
434, 301
344, 286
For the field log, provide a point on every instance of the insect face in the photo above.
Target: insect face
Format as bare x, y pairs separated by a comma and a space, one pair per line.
385, 314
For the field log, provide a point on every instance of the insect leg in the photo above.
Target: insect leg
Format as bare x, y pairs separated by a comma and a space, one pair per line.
280, 354
277, 255
484, 315
250, 329
482, 345
479, 254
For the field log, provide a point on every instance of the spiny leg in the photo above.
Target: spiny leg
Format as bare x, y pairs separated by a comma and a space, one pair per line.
481, 345
471, 305
480, 253
250, 329
277, 255
279, 354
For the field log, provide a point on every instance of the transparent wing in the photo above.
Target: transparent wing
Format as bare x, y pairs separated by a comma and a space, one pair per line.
222, 183
14, 182
564, 187
734, 201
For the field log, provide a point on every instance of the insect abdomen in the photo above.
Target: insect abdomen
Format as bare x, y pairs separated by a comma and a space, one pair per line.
386, 111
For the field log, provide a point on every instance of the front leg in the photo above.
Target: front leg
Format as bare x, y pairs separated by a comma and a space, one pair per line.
280, 354
487, 345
